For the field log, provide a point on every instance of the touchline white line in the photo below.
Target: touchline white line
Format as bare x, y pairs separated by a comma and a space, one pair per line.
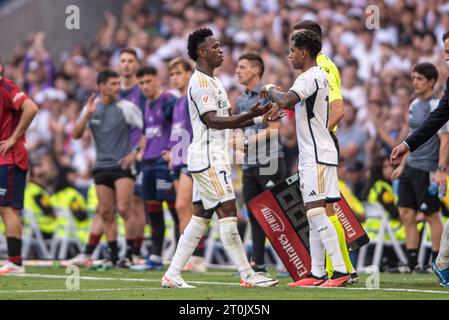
47, 276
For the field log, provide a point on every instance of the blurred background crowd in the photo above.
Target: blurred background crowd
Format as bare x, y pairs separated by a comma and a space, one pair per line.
375, 67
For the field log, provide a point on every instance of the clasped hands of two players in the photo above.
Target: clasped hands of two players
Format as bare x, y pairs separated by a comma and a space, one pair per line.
270, 110
275, 112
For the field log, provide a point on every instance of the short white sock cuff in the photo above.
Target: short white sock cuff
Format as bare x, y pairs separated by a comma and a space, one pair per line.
315, 211
228, 220
156, 258
202, 221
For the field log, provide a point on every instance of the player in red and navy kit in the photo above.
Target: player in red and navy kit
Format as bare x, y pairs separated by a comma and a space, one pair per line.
17, 111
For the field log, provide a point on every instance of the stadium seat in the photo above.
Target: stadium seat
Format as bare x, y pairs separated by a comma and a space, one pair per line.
375, 211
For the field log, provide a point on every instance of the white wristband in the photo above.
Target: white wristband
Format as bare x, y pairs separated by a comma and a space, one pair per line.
406, 144
258, 119
269, 86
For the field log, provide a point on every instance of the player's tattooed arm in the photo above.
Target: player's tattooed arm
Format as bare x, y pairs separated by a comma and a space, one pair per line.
235, 121
285, 100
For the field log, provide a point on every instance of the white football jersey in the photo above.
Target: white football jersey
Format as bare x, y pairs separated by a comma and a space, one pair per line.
315, 143
209, 147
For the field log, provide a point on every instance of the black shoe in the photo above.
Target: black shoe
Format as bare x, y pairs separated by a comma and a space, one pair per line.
338, 279
260, 269
124, 262
400, 268
426, 269
103, 265
354, 279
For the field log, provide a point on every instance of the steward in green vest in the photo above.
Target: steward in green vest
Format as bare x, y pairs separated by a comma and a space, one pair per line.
37, 200
66, 197
92, 200
382, 192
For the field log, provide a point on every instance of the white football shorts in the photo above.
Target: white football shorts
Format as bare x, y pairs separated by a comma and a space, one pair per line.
213, 187
318, 182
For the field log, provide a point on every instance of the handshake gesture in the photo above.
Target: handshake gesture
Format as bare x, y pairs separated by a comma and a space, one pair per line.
275, 112
270, 112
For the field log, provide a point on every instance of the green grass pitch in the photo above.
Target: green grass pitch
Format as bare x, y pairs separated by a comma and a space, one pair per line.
50, 283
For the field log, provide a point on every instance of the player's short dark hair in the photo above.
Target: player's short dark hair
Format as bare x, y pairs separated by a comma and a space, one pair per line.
129, 51
308, 40
426, 69
180, 62
445, 35
146, 70
105, 75
254, 58
309, 25
195, 39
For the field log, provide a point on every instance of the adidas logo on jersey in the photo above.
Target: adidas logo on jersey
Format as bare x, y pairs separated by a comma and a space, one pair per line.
269, 184
313, 193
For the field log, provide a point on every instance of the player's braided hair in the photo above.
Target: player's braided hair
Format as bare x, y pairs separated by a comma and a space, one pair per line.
308, 40
195, 39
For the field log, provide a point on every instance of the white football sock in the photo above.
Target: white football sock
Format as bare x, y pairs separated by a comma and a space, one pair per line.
329, 238
193, 233
317, 253
234, 246
442, 260
156, 258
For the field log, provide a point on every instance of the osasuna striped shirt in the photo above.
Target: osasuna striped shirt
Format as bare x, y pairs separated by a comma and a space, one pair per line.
209, 147
312, 117
11, 100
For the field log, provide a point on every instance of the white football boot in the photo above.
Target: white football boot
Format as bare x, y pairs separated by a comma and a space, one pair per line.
11, 268
259, 279
175, 282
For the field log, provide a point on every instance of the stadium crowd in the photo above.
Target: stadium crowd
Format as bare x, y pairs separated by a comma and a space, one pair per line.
375, 67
